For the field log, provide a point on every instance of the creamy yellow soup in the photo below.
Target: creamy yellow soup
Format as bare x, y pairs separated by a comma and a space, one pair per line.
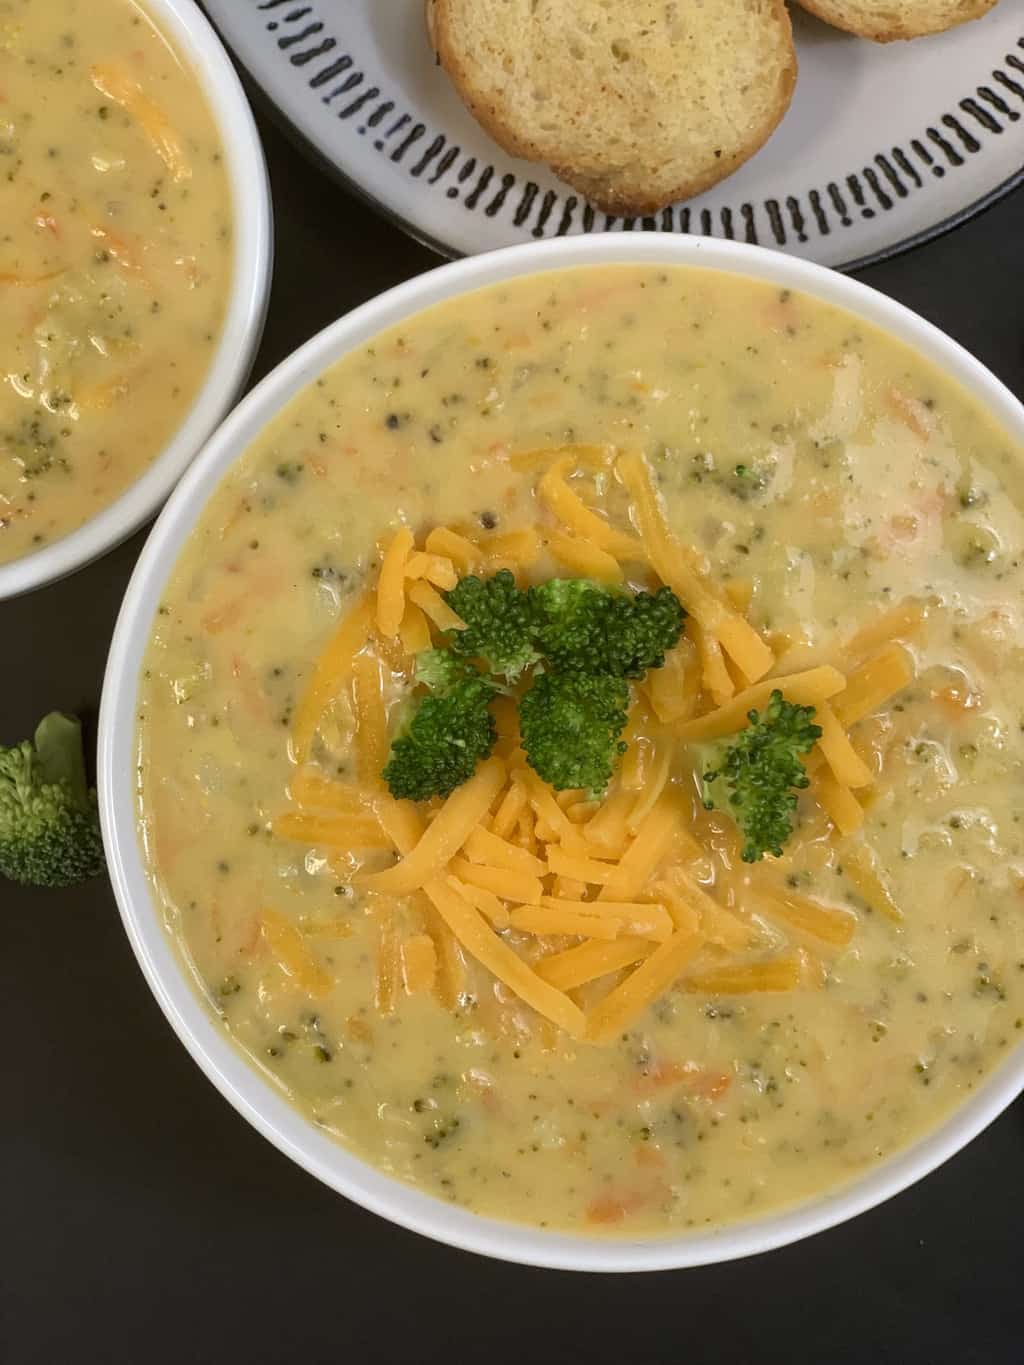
115, 257
868, 503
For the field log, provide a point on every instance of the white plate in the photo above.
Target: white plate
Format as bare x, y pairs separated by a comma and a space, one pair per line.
882, 147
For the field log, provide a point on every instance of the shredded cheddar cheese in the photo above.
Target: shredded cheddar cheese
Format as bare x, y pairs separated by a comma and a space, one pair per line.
462, 552
289, 948
803, 689
433, 605
491, 906
573, 513
873, 683
482, 846
414, 631
840, 755
329, 831
827, 923
333, 670
585, 559
776, 974
735, 635
436, 569
591, 960
556, 919
505, 870
838, 802
467, 806
391, 585
645, 984
419, 963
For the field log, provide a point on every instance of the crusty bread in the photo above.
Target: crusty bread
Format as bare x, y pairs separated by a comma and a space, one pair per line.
636, 103
886, 20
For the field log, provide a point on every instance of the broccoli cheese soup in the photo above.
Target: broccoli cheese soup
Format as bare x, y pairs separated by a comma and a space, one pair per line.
580, 749
115, 257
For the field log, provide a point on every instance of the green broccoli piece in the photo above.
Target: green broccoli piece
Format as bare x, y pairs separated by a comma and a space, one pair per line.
584, 627
439, 671
570, 725
445, 733
754, 776
49, 829
748, 481
499, 628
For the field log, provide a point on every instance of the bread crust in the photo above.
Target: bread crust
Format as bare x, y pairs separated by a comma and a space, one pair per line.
601, 190
902, 32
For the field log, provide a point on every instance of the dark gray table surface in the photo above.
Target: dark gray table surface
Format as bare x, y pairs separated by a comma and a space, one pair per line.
143, 1220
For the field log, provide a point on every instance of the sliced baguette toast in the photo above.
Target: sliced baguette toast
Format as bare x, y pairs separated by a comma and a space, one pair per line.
636, 103
884, 21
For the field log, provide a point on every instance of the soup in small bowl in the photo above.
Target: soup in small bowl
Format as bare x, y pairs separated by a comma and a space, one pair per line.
561, 752
134, 267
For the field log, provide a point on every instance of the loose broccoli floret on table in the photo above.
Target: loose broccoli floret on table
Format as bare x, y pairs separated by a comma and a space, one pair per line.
49, 827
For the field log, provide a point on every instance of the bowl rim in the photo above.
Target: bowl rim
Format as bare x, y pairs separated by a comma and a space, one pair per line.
256, 1096
196, 43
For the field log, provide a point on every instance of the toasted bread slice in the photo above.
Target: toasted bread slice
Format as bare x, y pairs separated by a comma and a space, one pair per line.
637, 103
886, 20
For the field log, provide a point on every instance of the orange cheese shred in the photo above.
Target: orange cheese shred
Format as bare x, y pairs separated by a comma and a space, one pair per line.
742, 978
419, 963
515, 886
391, 582
591, 960
831, 925
466, 808
585, 559
541, 919
484, 847
737, 637
117, 84
803, 689
371, 732
846, 764
332, 672
329, 831
555, 492
436, 569
655, 974
433, 605
292, 953
463, 553
873, 683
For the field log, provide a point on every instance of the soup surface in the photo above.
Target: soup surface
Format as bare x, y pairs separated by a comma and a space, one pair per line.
115, 257
865, 507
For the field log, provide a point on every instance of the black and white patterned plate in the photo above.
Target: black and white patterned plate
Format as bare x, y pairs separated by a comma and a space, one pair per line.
882, 147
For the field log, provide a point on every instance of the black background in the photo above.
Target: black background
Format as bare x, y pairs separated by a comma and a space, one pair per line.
143, 1220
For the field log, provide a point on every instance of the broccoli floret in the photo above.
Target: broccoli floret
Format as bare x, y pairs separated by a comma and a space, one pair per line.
439, 670
570, 725
49, 829
584, 627
446, 733
755, 776
499, 629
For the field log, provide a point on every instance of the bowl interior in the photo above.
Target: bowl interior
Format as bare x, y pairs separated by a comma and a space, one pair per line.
255, 1096
248, 295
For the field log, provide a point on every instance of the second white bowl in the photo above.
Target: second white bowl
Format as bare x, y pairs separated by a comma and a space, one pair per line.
248, 295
